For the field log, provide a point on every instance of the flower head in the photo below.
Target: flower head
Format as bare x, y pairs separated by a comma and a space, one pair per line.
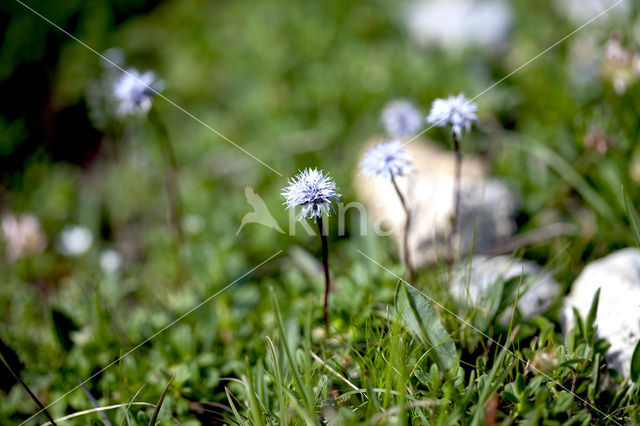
386, 160
401, 119
134, 91
455, 111
313, 191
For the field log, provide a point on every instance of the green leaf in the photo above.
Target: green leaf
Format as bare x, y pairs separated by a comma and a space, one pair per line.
579, 323
571, 340
510, 396
633, 217
635, 364
594, 383
591, 317
424, 323
520, 384
563, 402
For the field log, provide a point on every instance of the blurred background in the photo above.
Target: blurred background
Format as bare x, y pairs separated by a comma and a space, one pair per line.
96, 269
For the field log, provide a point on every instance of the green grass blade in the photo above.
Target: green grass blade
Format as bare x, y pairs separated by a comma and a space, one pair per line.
569, 175
126, 411
154, 416
253, 401
279, 381
233, 407
293, 366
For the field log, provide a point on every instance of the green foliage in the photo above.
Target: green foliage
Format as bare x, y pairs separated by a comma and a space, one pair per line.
635, 363
424, 323
300, 84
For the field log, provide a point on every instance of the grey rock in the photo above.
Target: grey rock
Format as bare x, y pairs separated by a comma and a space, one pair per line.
487, 210
538, 288
618, 316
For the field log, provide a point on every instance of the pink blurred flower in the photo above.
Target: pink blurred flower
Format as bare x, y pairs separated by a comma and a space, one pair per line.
23, 235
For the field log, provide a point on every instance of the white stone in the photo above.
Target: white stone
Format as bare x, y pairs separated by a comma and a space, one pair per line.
582, 11
458, 23
110, 261
618, 316
74, 240
486, 212
538, 288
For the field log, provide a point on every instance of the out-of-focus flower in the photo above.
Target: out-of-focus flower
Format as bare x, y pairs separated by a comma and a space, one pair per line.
596, 140
386, 160
110, 261
193, 224
312, 190
401, 119
83, 336
620, 65
23, 235
74, 240
134, 91
455, 111
457, 23
545, 361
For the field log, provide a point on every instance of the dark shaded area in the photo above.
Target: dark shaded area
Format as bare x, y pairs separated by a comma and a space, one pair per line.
11, 357
64, 326
73, 138
52, 134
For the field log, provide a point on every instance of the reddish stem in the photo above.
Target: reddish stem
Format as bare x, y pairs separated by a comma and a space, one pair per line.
407, 225
325, 266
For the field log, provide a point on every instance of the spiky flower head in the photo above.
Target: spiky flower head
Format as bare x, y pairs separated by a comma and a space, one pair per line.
386, 160
134, 91
401, 119
455, 111
313, 190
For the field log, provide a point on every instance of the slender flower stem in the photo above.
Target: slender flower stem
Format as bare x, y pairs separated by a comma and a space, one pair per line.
325, 266
407, 227
456, 199
172, 188
171, 174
